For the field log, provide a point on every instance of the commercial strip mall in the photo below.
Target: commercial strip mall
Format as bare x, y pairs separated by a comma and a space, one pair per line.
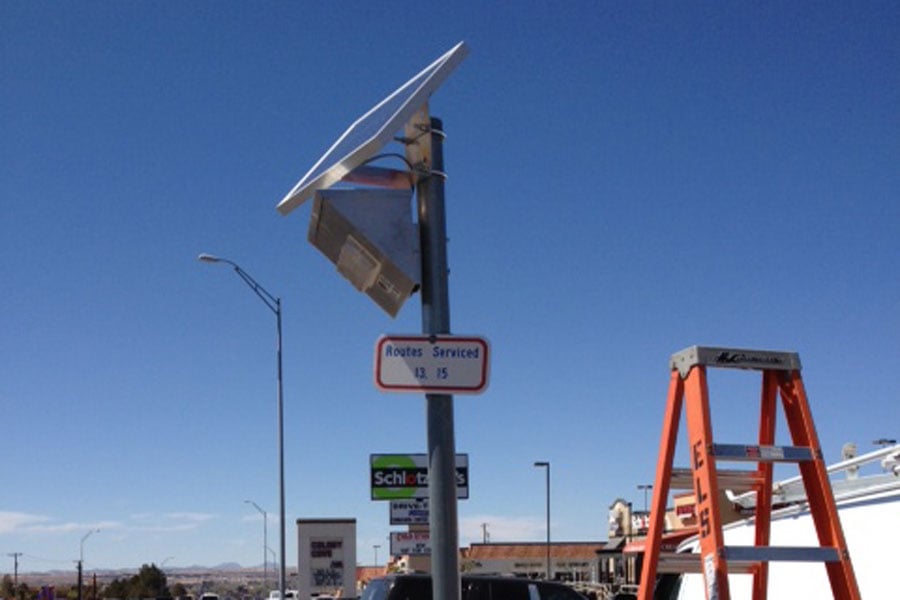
327, 545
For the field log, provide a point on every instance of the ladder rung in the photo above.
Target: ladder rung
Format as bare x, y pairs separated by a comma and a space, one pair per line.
743, 559
689, 562
731, 479
734, 358
738, 453
781, 553
678, 562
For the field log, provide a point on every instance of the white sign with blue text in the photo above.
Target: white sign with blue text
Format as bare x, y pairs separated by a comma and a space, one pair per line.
436, 363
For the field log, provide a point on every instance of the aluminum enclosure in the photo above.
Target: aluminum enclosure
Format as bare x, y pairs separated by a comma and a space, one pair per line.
370, 236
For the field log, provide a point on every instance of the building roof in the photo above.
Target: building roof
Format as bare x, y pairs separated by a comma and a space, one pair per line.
369, 573
502, 551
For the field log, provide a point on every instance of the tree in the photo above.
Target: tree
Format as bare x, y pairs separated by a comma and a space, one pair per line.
117, 588
150, 582
23, 592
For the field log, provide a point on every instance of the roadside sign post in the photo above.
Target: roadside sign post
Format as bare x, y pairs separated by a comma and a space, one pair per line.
443, 517
407, 109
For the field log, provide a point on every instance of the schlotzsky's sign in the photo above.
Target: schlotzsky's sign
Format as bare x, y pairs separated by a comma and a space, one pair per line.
437, 363
405, 476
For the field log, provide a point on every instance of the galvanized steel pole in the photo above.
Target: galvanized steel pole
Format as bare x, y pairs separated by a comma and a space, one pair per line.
546, 465
274, 304
436, 320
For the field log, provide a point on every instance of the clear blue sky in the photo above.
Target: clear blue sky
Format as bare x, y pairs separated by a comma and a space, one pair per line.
625, 180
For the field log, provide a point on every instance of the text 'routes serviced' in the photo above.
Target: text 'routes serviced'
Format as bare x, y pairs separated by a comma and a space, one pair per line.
436, 351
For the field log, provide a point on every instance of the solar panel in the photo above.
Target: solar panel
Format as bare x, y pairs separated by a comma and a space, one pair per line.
372, 131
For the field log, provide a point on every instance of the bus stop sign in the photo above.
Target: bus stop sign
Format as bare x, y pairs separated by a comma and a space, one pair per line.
436, 364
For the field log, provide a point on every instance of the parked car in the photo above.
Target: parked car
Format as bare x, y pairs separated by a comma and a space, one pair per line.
417, 586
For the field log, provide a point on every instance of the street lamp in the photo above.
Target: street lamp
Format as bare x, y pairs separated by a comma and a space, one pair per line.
265, 543
274, 304
81, 561
645, 487
546, 465
376, 547
274, 558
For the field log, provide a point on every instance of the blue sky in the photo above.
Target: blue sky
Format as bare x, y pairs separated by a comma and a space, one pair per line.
625, 180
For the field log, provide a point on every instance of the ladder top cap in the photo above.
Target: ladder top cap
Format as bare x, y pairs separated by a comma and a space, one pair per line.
734, 358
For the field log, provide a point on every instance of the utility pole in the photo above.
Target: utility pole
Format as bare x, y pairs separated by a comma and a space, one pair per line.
15, 557
485, 536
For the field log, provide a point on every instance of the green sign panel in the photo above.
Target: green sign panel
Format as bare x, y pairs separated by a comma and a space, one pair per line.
404, 476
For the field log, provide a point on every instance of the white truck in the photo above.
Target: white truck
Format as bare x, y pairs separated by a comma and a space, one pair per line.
869, 509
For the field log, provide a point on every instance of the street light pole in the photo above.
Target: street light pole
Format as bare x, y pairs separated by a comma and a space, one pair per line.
81, 562
274, 304
265, 544
546, 465
376, 547
645, 487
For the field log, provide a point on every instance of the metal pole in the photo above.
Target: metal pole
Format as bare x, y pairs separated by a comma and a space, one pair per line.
15, 557
436, 320
549, 573
546, 465
265, 544
281, 525
645, 487
274, 305
81, 562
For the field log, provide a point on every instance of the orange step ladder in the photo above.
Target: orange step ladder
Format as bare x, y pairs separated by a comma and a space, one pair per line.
688, 387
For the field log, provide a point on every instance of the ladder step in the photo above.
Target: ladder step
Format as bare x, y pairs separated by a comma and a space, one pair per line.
743, 559
741, 453
731, 479
678, 562
734, 358
781, 553
689, 562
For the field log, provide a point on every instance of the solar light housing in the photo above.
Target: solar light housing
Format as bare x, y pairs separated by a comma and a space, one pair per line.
370, 237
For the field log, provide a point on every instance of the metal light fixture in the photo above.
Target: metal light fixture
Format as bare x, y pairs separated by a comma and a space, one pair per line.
370, 237
274, 304
265, 542
81, 562
646, 487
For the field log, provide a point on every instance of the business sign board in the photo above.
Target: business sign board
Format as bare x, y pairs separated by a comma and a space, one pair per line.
326, 560
405, 476
409, 512
431, 363
406, 543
